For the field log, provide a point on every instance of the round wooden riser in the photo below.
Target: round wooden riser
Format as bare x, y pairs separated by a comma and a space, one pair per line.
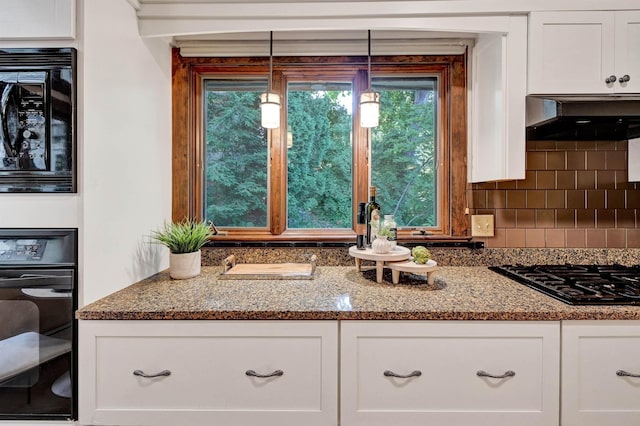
414, 268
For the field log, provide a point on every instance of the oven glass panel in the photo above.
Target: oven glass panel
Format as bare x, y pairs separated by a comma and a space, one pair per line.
38, 331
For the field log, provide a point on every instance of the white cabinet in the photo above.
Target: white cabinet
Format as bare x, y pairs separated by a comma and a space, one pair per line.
37, 19
600, 373
497, 104
208, 372
587, 52
418, 373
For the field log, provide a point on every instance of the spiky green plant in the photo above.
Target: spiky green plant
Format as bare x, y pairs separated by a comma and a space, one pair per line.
187, 236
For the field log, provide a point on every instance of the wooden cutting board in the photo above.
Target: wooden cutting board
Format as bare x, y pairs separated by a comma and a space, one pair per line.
268, 271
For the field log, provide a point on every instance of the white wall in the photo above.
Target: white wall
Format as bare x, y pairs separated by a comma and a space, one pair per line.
125, 183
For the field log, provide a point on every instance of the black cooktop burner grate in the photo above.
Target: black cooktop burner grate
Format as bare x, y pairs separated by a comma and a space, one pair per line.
580, 284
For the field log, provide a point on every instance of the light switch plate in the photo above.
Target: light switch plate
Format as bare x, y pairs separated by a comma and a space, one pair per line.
482, 225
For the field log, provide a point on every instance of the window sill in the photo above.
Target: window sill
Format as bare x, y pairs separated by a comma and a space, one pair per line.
427, 242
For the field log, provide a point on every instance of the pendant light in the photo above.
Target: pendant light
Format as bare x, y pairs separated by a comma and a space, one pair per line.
369, 100
270, 101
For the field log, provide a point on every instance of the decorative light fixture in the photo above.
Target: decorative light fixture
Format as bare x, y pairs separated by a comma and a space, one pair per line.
270, 101
369, 100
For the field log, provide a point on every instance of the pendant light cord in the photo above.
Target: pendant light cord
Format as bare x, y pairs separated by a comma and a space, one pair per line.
270, 60
369, 59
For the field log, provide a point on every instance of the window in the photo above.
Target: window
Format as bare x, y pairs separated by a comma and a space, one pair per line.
319, 155
405, 151
303, 180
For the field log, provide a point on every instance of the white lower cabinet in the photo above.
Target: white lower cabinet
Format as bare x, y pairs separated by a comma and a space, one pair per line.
600, 373
440, 373
208, 373
400, 373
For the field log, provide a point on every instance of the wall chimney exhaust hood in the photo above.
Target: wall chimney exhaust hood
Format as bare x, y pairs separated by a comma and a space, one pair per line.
588, 118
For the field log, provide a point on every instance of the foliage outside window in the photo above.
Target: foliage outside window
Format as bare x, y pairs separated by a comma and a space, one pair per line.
303, 181
404, 151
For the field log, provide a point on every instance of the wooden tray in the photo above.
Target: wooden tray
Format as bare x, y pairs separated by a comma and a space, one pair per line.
268, 271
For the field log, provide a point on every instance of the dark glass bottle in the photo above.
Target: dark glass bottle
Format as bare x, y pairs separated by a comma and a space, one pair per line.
361, 226
373, 217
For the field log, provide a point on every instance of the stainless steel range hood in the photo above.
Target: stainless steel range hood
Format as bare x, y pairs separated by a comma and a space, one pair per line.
583, 118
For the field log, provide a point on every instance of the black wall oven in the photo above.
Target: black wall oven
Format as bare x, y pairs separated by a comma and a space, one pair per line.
37, 120
38, 333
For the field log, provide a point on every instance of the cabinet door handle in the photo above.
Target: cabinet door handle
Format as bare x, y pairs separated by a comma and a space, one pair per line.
623, 373
414, 373
143, 374
509, 373
252, 373
611, 79
624, 78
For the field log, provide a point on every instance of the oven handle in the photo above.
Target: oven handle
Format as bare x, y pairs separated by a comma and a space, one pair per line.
36, 280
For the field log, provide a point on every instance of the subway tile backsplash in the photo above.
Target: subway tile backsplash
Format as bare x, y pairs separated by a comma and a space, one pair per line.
575, 195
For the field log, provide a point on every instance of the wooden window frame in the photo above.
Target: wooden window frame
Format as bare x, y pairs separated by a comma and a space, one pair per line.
187, 146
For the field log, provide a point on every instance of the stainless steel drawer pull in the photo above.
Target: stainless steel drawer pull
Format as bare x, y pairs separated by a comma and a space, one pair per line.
414, 373
252, 373
143, 374
506, 374
623, 373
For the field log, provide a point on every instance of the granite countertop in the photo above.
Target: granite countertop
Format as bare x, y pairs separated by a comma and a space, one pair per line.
341, 293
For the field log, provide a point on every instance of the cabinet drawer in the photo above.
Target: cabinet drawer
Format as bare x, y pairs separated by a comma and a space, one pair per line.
212, 374
445, 360
593, 393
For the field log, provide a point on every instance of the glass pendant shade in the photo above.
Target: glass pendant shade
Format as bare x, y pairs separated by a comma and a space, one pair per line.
369, 108
270, 110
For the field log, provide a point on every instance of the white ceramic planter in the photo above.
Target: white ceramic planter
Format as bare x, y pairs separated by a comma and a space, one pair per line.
381, 245
184, 265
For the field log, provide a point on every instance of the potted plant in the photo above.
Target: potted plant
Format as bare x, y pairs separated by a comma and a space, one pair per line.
184, 240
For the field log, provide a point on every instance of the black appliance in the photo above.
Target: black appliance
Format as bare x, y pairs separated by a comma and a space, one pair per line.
580, 284
37, 120
575, 118
38, 331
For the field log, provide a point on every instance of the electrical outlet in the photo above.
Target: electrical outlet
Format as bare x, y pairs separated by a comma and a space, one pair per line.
482, 225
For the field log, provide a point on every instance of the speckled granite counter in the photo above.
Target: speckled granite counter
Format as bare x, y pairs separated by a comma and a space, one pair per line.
459, 293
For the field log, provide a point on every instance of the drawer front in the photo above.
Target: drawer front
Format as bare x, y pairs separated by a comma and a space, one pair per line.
450, 369
593, 392
210, 372
219, 373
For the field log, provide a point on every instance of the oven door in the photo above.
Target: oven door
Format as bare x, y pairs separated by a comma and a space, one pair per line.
36, 335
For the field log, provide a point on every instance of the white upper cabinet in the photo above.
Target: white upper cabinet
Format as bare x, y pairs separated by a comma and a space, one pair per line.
497, 106
594, 52
38, 19
627, 49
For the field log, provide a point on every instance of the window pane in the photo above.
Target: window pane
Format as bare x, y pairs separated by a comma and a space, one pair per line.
404, 150
319, 160
236, 154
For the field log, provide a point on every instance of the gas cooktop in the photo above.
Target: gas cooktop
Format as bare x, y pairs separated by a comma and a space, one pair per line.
580, 284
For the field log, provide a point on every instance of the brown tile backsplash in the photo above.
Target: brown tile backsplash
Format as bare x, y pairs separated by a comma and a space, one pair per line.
535, 199
596, 160
615, 199
576, 160
575, 195
536, 160
516, 199
556, 199
556, 160
586, 179
546, 179
566, 179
